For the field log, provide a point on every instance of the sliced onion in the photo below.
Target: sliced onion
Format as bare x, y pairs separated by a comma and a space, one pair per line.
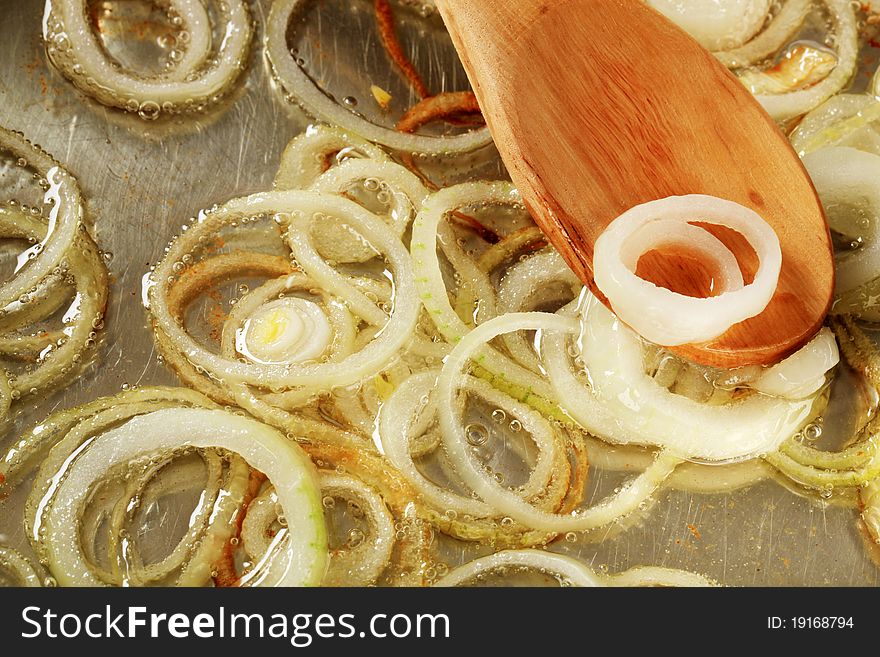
65, 216
202, 77
317, 103
780, 30
27, 452
396, 187
717, 24
843, 120
800, 67
848, 177
642, 576
395, 332
869, 498
361, 564
626, 500
404, 411
351, 565
803, 373
413, 538
623, 404
525, 282
666, 317
289, 330
565, 570
855, 465
785, 106
426, 237
304, 552
316, 150
127, 564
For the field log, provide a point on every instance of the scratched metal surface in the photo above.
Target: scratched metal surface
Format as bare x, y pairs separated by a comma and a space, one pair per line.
143, 181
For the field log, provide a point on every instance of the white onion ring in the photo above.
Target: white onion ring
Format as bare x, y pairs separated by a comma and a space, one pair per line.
303, 555
785, 106
567, 571
843, 174
666, 317
716, 24
803, 373
504, 501
305, 332
197, 82
396, 329
624, 405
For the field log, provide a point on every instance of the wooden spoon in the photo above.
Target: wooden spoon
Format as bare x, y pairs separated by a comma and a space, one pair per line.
599, 105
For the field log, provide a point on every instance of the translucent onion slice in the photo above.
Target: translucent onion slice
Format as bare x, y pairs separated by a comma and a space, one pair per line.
503, 500
717, 24
317, 103
786, 106
359, 563
304, 551
846, 180
202, 77
27, 452
413, 537
362, 559
622, 404
303, 208
394, 186
565, 570
144, 490
14, 564
843, 120
71, 442
858, 463
782, 27
526, 283
318, 150
427, 236
644, 576
405, 414
65, 217
803, 373
666, 317
801, 67
289, 330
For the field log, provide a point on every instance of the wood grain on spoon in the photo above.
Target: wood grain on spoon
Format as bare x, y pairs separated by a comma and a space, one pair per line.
599, 105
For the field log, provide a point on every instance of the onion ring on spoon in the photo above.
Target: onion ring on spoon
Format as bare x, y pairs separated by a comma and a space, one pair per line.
666, 317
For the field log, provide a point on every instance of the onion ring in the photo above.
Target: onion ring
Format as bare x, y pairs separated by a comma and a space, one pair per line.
666, 317
203, 76
303, 553
613, 357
